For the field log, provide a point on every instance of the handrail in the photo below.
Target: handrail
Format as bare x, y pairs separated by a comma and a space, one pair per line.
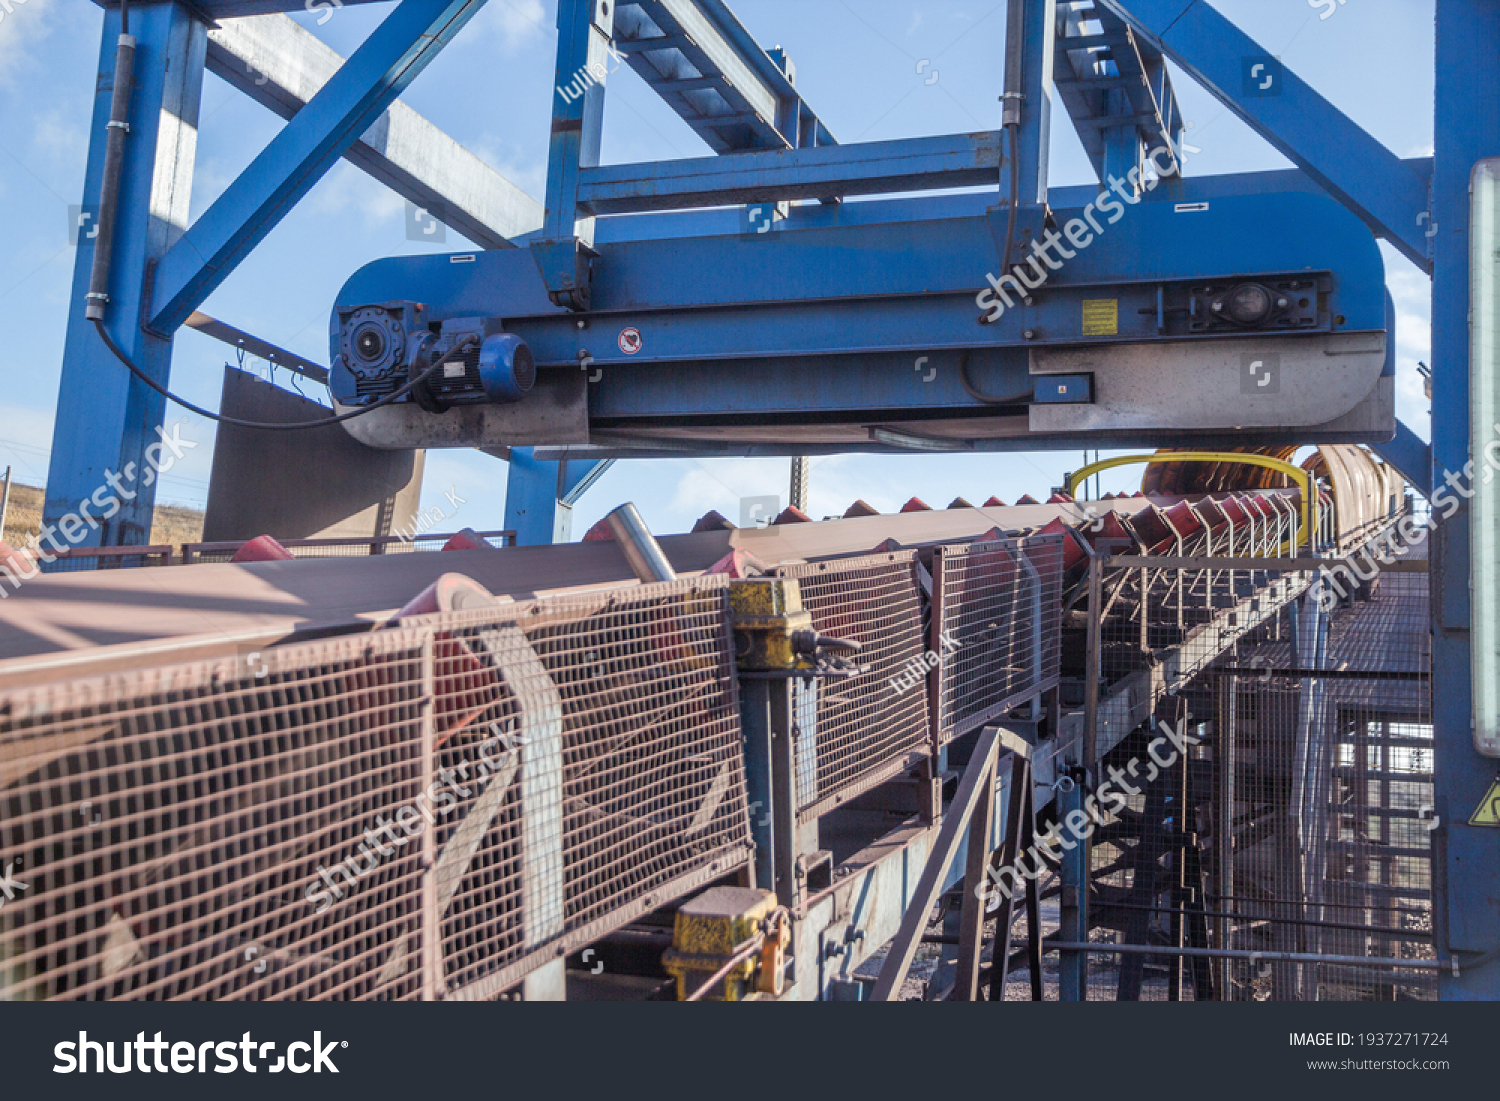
1296, 473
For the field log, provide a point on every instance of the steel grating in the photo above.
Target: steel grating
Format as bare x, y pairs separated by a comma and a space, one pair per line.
999, 629
258, 827
870, 726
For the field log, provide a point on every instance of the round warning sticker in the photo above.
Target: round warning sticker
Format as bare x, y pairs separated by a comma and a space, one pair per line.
630, 341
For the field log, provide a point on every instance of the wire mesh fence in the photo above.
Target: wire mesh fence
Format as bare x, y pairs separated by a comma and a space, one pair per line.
1269, 738
427, 811
999, 628
871, 725
72, 559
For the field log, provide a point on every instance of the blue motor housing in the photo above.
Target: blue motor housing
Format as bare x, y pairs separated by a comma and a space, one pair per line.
379, 348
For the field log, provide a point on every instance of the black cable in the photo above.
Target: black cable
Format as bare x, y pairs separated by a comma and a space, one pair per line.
321, 422
1014, 131
1025, 397
124, 16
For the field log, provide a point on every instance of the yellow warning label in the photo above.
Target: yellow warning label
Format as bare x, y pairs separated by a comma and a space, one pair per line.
1488, 811
1101, 317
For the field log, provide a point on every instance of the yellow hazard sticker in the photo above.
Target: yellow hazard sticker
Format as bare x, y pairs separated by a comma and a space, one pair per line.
1101, 317
1488, 811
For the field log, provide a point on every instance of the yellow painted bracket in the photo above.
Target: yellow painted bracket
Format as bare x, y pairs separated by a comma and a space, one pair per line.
1296, 473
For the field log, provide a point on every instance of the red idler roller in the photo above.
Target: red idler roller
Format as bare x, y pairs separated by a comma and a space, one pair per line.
860, 508
468, 539
1027, 499
1183, 519
1234, 511
1262, 508
740, 564
916, 504
451, 592
1075, 555
712, 520
1060, 499
792, 515
599, 533
1110, 529
262, 549
994, 502
1152, 529
959, 502
1211, 512
465, 687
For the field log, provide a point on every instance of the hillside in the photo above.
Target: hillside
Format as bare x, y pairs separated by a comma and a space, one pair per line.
174, 524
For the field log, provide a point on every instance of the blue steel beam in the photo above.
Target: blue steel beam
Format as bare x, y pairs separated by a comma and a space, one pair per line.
1410, 456
322, 132
106, 420
1193, 189
868, 168
709, 69
1466, 878
562, 251
884, 287
1316, 136
534, 490
1111, 74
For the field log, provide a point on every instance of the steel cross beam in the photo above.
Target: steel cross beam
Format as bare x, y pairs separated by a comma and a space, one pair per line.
1117, 90
1315, 135
237, 9
282, 66
709, 69
396, 51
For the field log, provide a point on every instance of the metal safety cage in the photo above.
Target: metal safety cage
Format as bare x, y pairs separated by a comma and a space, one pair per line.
870, 726
998, 627
198, 830
617, 715
1267, 739
427, 811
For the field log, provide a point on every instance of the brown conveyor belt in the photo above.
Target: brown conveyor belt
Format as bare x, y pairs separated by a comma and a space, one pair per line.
55, 618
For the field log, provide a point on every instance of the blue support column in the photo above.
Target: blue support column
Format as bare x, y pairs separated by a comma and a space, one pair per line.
1466, 907
539, 495
106, 419
306, 148
563, 251
1036, 107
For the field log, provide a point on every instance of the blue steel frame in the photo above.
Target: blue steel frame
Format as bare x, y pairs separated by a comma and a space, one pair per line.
106, 421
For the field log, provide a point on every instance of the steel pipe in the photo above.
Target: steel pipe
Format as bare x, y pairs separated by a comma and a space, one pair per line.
640, 547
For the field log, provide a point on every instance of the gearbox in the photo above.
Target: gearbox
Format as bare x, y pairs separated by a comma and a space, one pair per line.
381, 347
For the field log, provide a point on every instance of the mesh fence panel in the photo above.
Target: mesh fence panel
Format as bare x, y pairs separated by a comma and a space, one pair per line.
1000, 627
871, 725
306, 828
1297, 818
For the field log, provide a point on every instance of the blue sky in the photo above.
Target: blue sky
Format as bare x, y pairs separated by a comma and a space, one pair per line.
857, 64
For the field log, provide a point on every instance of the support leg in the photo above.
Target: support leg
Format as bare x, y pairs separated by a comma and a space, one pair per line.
106, 420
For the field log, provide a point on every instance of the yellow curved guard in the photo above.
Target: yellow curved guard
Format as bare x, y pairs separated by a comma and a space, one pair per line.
1296, 473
